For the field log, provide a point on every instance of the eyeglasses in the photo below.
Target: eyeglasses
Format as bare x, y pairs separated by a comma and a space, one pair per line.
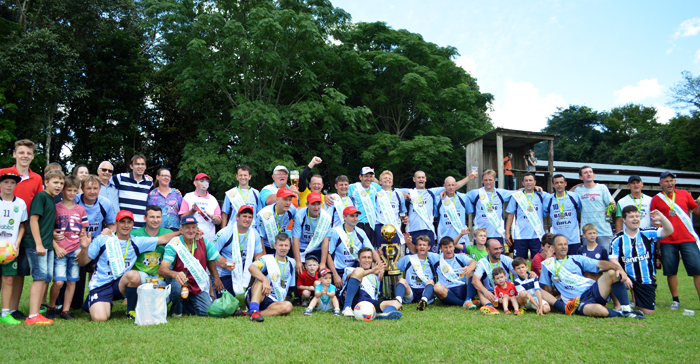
105, 170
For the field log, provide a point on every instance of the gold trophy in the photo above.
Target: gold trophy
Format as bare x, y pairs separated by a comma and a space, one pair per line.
390, 254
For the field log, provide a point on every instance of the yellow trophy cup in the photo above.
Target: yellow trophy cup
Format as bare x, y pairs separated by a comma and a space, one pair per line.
390, 254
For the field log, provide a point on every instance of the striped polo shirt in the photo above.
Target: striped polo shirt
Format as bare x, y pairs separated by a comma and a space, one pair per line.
133, 196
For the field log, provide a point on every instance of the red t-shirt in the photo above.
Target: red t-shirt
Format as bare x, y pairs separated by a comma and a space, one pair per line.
28, 187
508, 291
507, 165
684, 201
306, 280
536, 264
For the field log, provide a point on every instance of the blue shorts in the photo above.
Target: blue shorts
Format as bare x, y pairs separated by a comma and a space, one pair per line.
325, 307
573, 248
592, 295
670, 258
66, 268
107, 293
41, 266
266, 302
460, 292
521, 247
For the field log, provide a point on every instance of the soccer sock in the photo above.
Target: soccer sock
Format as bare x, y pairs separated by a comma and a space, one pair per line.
254, 306
400, 292
32, 316
131, 298
353, 286
560, 306
388, 309
428, 292
620, 291
452, 299
612, 313
675, 299
471, 291
5, 312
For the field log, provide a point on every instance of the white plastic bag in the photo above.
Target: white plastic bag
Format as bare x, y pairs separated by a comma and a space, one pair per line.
152, 306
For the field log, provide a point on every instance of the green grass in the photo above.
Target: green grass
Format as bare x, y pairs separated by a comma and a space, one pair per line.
440, 334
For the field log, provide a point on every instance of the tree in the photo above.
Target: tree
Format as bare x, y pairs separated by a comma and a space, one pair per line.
686, 93
578, 127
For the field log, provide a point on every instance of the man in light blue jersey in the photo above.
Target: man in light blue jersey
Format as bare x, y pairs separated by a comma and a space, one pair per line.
274, 219
584, 296
274, 276
420, 274
280, 176
452, 287
483, 276
133, 188
115, 254
488, 206
452, 210
564, 210
337, 202
363, 195
526, 211
107, 189
342, 245
311, 226
597, 205
391, 209
243, 194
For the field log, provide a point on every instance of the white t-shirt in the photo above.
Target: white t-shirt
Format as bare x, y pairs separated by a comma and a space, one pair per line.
12, 214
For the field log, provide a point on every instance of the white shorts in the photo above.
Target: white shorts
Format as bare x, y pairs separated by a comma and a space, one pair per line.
531, 306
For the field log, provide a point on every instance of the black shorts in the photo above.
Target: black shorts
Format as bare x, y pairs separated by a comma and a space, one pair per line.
645, 295
369, 231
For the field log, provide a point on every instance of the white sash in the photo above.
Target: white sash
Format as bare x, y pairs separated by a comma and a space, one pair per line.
448, 271
530, 215
241, 277
115, 255
421, 208
269, 220
383, 199
365, 198
275, 276
339, 205
493, 218
683, 215
346, 240
191, 263
452, 215
369, 285
418, 268
236, 199
565, 276
322, 226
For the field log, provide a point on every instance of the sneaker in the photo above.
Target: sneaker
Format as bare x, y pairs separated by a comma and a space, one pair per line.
522, 310
675, 305
393, 315
296, 301
176, 315
9, 320
304, 303
51, 313
634, 314
44, 308
131, 315
336, 312
38, 320
489, 310
67, 315
572, 305
633, 304
256, 316
239, 313
347, 312
308, 312
422, 305
517, 312
469, 305
18, 315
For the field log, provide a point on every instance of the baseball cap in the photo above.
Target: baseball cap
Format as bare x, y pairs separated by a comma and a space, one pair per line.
201, 175
280, 168
323, 272
313, 197
124, 213
351, 210
245, 208
366, 170
666, 174
187, 219
284, 192
8, 175
634, 177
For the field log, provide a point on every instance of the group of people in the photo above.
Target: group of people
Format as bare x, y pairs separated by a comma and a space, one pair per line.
287, 243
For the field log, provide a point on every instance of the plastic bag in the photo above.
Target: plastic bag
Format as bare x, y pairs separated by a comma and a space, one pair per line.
152, 306
223, 307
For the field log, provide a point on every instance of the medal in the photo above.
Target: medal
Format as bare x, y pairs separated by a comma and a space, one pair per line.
419, 281
556, 278
530, 208
672, 213
283, 283
642, 214
489, 210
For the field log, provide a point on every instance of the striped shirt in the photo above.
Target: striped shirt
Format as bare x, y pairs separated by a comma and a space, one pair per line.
636, 254
526, 284
133, 196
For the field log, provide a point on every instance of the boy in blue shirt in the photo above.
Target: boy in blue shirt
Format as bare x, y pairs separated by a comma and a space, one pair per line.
324, 295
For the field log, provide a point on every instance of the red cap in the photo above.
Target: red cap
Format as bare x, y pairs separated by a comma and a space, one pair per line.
284, 192
245, 208
124, 213
314, 197
351, 210
323, 272
201, 175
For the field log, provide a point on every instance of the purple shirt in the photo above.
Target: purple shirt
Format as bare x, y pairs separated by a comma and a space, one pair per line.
170, 205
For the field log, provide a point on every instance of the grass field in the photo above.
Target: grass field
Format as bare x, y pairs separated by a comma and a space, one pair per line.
440, 334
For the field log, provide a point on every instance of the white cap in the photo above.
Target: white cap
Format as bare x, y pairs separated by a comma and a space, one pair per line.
280, 168
366, 170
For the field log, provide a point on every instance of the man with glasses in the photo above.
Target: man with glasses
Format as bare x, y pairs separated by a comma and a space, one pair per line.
108, 190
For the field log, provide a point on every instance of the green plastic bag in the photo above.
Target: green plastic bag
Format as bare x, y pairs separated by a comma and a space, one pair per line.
223, 307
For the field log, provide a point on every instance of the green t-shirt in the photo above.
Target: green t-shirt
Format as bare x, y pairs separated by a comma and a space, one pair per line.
149, 262
475, 253
42, 205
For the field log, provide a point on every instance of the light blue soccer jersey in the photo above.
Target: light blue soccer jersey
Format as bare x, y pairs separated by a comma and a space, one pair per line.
371, 280
336, 248
497, 202
594, 202
355, 191
223, 243
427, 265
103, 272
484, 269
304, 229
99, 215
336, 210
459, 261
282, 223
250, 197
445, 227
564, 213
398, 206
523, 229
288, 266
572, 283
425, 197
636, 254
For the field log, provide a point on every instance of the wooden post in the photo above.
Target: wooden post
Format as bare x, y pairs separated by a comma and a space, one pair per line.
499, 160
550, 171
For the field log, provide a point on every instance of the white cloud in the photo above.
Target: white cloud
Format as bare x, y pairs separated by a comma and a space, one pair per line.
644, 89
523, 108
688, 28
697, 57
664, 113
468, 64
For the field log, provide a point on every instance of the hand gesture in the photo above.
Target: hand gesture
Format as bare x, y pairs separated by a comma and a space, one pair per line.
656, 216
85, 241
218, 285
314, 161
58, 235
294, 189
181, 278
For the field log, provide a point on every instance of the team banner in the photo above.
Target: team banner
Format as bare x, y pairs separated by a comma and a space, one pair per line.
368, 204
418, 268
324, 223
531, 216
452, 215
236, 199
269, 220
684, 218
383, 199
491, 215
273, 272
346, 241
191, 263
566, 278
422, 209
448, 271
114, 254
241, 277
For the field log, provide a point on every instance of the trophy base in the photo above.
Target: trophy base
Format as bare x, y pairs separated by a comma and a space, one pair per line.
389, 283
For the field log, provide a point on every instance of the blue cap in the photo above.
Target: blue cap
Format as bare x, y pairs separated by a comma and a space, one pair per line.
188, 219
666, 174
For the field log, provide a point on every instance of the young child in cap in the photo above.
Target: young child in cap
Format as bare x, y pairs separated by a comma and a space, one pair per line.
324, 295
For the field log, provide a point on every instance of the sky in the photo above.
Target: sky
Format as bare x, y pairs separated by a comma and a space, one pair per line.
536, 56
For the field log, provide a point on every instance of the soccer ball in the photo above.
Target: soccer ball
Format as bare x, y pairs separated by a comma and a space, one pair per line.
7, 252
364, 311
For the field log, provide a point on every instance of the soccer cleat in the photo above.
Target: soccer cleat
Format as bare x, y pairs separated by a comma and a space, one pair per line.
18, 315
675, 305
572, 305
422, 305
9, 320
176, 315
44, 308
308, 312
347, 312
393, 315
522, 310
633, 304
256, 316
489, 310
239, 313
38, 320
476, 302
304, 303
336, 312
131, 315
51, 313
634, 314
469, 305
67, 315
